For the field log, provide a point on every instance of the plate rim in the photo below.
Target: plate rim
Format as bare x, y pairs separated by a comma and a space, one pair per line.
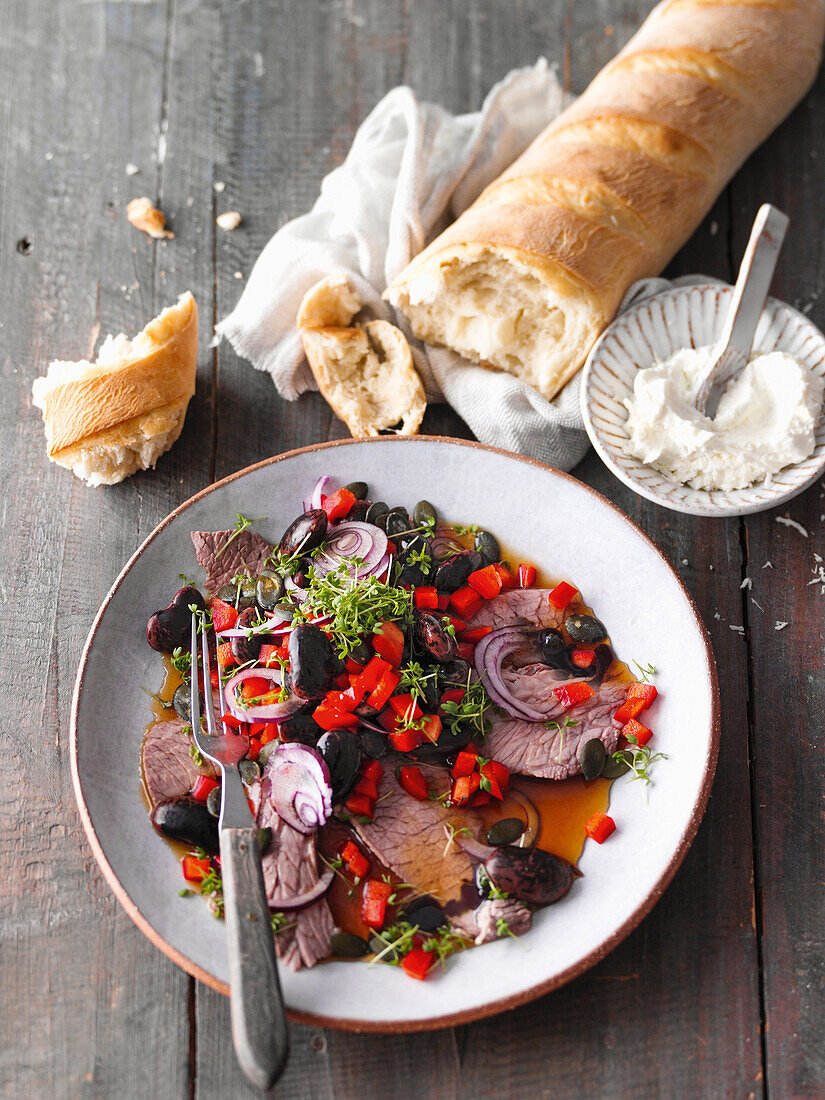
491, 1008
709, 511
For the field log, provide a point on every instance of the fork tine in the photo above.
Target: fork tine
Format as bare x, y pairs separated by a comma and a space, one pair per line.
207, 685
194, 694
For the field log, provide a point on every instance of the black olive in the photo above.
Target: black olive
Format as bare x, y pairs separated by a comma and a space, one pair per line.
397, 522
585, 628
170, 627
454, 674
301, 727
432, 638
593, 758
530, 874
182, 701
505, 831
553, 648
453, 572
310, 661
348, 946
426, 913
269, 589
247, 649
358, 510
305, 533
604, 658
424, 513
411, 574
186, 820
486, 544
376, 509
362, 654
359, 489
444, 750
431, 690
374, 744
341, 749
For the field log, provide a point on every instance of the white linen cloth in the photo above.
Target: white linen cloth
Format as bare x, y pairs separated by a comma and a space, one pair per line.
413, 167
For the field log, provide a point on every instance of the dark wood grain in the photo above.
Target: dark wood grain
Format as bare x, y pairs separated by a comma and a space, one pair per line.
721, 991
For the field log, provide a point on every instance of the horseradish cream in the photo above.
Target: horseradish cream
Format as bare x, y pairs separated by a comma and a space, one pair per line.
766, 420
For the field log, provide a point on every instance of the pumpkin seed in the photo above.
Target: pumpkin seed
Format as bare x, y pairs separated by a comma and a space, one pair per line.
213, 802
614, 768
424, 512
487, 545
586, 629
359, 489
505, 831
249, 769
376, 509
265, 753
593, 758
348, 945
264, 839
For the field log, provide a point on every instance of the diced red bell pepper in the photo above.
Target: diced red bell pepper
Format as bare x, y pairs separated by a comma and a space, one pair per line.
352, 667
466, 601
418, 963
582, 658
338, 504
341, 681
475, 635
382, 693
231, 721
215, 677
458, 625
487, 582
599, 827
368, 788
453, 695
526, 575
405, 740
480, 798
406, 707
360, 806
272, 655
497, 776
489, 781
203, 788
255, 686
562, 594
507, 578
270, 733
355, 859
369, 679
634, 729
224, 655
256, 729
343, 700
628, 710
573, 693
443, 601
255, 747
464, 788
330, 717
372, 770
465, 764
374, 901
194, 869
413, 781
646, 692
426, 597
431, 727
467, 652
224, 614
388, 642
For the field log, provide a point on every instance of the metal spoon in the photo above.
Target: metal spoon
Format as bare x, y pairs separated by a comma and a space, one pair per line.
732, 350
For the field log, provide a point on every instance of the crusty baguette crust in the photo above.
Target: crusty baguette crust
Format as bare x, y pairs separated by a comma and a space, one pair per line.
100, 400
619, 181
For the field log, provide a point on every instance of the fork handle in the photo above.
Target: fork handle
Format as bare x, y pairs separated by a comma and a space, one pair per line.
259, 1026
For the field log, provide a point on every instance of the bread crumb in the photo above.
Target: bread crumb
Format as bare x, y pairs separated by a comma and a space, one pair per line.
49, 156
230, 220
146, 217
219, 186
238, 275
792, 523
132, 169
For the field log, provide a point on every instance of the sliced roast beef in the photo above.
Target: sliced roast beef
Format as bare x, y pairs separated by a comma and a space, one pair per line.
410, 837
533, 748
529, 607
224, 554
482, 925
168, 769
290, 868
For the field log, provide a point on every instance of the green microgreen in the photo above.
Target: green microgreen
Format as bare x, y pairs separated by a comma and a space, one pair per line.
335, 866
449, 625
645, 671
444, 942
195, 754
397, 939
489, 887
562, 727
181, 660
241, 524
415, 678
470, 711
451, 832
461, 529
638, 759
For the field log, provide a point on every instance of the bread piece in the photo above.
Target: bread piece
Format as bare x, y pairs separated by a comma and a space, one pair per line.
530, 275
365, 372
106, 419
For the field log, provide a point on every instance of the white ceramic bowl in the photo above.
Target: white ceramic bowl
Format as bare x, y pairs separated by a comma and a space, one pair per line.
650, 615
689, 316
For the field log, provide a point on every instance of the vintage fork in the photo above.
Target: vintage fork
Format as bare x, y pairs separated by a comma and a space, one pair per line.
259, 1027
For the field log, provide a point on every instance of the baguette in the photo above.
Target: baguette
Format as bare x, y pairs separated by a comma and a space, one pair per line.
529, 275
365, 372
106, 419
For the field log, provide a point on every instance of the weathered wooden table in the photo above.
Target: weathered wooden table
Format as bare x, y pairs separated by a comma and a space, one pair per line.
721, 991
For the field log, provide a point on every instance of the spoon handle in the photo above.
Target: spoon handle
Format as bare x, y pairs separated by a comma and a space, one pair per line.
752, 284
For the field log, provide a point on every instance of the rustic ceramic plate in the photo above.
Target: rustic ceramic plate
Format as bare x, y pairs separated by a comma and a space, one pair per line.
548, 517
647, 333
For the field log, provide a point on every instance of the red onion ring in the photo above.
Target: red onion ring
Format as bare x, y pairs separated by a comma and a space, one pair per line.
443, 546
278, 623
353, 539
489, 657
297, 784
319, 490
299, 901
272, 712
